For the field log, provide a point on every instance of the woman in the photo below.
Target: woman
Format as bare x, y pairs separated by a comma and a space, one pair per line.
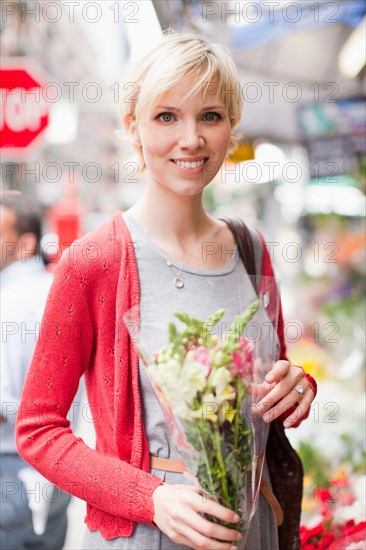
180, 108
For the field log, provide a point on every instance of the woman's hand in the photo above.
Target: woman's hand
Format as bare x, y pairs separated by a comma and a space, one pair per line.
278, 393
177, 514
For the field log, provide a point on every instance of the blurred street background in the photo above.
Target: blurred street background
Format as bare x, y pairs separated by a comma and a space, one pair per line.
298, 175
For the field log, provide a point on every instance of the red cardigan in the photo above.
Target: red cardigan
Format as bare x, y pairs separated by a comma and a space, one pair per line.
82, 332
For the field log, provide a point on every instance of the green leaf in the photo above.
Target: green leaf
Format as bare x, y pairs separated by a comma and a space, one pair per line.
215, 317
239, 322
182, 316
172, 329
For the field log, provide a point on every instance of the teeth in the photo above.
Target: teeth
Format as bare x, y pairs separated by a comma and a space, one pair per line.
186, 164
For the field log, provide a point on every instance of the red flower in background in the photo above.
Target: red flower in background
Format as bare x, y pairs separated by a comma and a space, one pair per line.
313, 533
357, 533
331, 536
324, 495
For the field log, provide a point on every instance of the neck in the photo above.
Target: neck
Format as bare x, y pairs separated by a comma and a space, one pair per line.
168, 216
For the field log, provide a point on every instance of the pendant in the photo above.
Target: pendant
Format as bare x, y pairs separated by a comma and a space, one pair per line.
178, 282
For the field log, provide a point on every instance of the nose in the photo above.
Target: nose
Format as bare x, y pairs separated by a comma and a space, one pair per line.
190, 136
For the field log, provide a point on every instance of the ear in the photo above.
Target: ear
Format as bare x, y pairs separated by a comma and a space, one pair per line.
133, 133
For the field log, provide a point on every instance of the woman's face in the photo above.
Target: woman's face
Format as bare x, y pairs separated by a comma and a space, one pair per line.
184, 143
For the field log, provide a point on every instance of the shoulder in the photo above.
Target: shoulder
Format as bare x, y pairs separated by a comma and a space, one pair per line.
96, 258
99, 249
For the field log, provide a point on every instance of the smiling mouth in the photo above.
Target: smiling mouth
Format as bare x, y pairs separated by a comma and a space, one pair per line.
187, 164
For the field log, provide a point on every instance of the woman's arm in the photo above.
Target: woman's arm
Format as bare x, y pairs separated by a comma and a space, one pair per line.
63, 352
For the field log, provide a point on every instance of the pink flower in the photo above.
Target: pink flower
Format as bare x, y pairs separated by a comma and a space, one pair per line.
347, 499
201, 355
242, 359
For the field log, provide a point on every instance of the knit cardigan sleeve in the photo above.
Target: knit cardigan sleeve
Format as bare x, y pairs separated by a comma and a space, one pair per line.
267, 269
44, 438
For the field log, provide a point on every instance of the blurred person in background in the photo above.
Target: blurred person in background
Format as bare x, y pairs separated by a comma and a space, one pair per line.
33, 512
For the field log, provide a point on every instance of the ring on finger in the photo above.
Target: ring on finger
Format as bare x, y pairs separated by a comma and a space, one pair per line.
300, 390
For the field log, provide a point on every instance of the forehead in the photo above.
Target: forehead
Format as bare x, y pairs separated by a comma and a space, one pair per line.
184, 95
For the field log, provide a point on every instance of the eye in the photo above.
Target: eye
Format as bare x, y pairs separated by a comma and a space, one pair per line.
212, 117
165, 117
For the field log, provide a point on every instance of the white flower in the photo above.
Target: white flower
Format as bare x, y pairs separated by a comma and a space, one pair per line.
180, 383
357, 509
192, 379
181, 409
195, 374
221, 379
356, 545
166, 374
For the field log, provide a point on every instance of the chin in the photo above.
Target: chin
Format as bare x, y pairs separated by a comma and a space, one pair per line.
188, 190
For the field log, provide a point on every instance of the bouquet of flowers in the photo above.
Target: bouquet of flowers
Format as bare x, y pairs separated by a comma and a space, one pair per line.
204, 381
201, 381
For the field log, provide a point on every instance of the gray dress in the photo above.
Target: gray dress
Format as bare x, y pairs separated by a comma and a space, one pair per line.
204, 292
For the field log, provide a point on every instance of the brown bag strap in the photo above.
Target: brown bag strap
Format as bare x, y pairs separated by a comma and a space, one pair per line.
244, 242
284, 464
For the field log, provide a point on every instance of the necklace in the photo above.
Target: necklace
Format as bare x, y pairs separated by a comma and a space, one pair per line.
177, 280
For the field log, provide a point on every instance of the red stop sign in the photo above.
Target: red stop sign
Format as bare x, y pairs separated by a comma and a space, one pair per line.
24, 111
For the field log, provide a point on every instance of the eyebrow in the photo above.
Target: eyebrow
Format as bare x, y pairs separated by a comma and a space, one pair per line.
209, 108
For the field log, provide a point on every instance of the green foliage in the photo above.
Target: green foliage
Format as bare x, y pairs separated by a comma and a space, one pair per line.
225, 455
314, 463
239, 322
354, 453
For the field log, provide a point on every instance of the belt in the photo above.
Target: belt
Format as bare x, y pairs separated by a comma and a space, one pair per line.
178, 467
167, 464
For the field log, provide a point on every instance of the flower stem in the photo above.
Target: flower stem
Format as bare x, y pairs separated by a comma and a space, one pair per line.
220, 460
239, 398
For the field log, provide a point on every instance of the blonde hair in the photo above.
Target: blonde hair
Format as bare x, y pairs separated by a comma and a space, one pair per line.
175, 59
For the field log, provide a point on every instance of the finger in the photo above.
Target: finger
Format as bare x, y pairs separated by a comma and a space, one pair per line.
190, 525
279, 392
212, 530
281, 370
278, 371
193, 539
257, 391
300, 410
195, 488
289, 401
286, 385
213, 508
